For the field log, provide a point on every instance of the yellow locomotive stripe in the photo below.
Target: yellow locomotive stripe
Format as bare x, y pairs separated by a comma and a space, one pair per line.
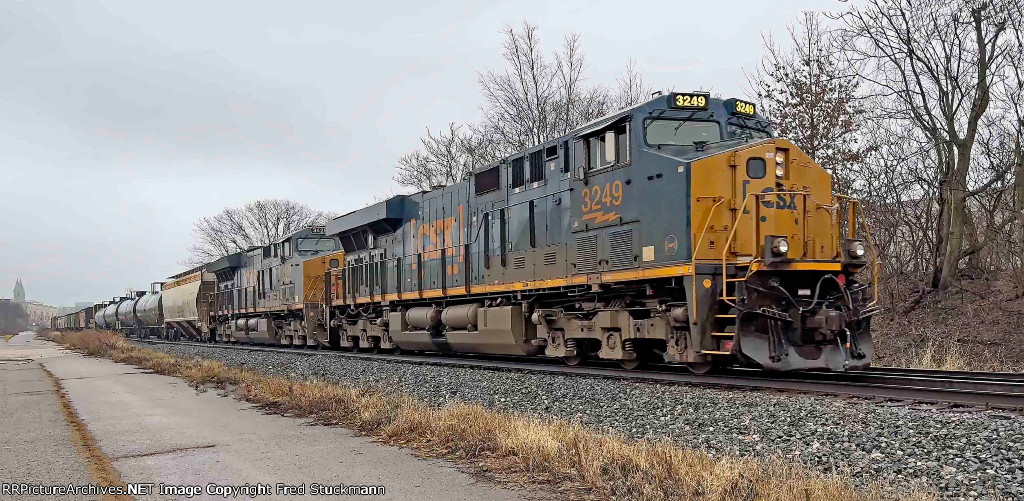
801, 266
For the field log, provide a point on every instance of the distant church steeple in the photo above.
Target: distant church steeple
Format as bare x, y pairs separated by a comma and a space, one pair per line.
19, 292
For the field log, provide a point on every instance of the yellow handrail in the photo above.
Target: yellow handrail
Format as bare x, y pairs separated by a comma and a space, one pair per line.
732, 234
700, 239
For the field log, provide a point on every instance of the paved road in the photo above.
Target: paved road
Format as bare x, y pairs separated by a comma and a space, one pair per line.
158, 429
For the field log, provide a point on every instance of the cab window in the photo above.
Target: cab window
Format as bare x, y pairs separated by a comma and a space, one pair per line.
609, 147
748, 133
666, 132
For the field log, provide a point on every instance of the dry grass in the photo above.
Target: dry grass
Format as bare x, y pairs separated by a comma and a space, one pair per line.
509, 447
936, 354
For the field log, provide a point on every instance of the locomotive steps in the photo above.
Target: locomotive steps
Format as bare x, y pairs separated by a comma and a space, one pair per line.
509, 447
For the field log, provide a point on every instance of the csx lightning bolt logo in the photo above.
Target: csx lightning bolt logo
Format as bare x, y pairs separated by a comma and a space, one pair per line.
610, 195
600, 217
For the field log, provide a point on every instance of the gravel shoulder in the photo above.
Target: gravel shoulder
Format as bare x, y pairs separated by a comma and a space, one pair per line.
964, 455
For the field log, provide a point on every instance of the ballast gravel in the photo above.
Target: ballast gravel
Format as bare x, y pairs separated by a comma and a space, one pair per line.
963, 455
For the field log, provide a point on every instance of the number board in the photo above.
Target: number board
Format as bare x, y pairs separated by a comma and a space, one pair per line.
689, 100
317, 230
743, 108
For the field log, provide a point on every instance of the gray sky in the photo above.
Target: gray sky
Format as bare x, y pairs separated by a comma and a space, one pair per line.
122, 122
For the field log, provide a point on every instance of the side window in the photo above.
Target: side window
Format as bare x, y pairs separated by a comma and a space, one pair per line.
580, 156
756, 168
608, 148
566, 165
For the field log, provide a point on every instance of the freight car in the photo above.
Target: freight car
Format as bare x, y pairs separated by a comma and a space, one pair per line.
678, 230
78, 320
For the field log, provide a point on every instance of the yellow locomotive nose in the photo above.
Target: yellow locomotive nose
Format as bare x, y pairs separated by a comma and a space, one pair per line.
791, 202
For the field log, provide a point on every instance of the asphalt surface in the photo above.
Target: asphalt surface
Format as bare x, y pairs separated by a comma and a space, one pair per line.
157, 429
35, 442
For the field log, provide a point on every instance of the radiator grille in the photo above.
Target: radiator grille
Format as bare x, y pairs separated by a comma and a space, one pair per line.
550, 258
586, 254
620, 248
519, 262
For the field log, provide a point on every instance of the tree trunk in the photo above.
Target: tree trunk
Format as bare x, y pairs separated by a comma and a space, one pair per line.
957, 219
941, 221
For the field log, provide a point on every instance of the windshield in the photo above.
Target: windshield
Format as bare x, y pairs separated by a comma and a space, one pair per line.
736, 131
315, 244
681, 132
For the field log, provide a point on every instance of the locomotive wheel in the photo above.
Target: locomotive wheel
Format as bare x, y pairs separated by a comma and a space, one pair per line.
397, 351
630, 364
573, 360
700, 367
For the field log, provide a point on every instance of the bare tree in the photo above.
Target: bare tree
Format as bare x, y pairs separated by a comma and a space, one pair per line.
809, 95
631, 88
257, 223
534, 98
935, 63
445, 158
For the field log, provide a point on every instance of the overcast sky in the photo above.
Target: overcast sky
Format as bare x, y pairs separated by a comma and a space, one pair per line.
122, 122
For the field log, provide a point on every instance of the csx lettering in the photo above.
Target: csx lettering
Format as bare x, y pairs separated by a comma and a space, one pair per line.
782, 201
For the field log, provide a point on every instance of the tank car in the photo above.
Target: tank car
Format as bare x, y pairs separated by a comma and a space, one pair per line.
678, 230
149, 311
127, 320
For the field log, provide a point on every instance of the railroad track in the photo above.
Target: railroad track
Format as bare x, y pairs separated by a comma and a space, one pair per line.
985, 390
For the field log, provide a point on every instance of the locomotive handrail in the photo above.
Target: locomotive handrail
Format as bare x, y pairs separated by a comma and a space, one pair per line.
693, 268
853, 213
756, 227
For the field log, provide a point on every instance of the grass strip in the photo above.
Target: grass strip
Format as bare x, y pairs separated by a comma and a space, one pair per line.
511, 448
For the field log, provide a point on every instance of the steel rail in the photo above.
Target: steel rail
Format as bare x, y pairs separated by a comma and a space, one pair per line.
986, 389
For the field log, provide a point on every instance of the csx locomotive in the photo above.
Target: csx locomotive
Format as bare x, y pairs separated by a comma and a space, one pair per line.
678, 230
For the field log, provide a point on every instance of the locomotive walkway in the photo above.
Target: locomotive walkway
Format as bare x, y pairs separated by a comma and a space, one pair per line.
157, 429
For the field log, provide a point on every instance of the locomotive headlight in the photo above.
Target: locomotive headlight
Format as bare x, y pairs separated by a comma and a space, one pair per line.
857, 249
780, 247
780, 164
